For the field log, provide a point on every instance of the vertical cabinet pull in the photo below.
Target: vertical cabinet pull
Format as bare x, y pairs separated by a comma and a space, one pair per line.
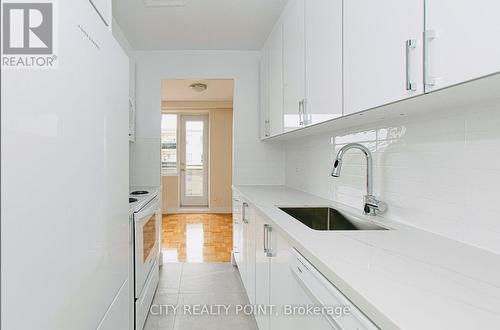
307, 115
268, 128
410, 45
243, 212
269, 242
301, 113
304, 117
265, 238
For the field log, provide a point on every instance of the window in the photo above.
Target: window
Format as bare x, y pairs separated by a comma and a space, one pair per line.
168, 144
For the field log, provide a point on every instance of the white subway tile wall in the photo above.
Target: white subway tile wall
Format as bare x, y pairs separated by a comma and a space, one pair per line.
437, 173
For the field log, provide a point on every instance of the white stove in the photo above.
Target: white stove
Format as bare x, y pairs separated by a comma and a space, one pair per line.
139, 196
145, 216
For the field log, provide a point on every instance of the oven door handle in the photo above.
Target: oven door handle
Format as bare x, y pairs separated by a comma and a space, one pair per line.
152, 208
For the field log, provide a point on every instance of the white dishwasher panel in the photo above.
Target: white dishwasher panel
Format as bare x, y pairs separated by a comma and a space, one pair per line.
312, 288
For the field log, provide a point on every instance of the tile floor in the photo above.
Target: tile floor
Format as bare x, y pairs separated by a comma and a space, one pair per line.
197, 237
208, 284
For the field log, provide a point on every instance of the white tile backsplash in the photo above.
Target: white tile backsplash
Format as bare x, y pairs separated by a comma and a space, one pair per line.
440, 173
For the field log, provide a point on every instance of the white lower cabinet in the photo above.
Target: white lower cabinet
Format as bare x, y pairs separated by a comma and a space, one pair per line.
281, 279
244, 245
272, 275
277, 277
249, 224
236, 229
262, 270
241, 261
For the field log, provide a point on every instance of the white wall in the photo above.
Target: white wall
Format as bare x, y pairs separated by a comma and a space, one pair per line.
255, 162
441, 174
127, 48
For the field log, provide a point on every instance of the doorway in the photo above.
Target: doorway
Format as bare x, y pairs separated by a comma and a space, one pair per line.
196, 169
193, 160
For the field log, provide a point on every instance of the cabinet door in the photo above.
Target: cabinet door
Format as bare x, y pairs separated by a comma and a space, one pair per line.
275, 47
242, 265
249, 220
383, 52
264, 93
462, 41
261, 271
323, 26
293, 64
281, 280
241, 256
236, 229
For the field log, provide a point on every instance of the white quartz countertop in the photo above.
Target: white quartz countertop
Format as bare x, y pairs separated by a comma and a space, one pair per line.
401, 278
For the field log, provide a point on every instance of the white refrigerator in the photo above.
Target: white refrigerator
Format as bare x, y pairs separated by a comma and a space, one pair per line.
64, 182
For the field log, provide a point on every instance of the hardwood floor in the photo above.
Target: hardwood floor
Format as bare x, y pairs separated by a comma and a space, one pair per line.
197, 237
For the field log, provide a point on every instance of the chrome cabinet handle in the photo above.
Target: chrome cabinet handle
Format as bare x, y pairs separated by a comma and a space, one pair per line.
269, 250
307, 115
410, 44
244, 213
301, 113
268, 129
265, 238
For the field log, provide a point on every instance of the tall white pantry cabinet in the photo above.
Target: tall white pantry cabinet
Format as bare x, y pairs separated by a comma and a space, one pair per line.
65, 222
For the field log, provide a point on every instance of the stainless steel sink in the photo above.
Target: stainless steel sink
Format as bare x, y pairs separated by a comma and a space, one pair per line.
326, 218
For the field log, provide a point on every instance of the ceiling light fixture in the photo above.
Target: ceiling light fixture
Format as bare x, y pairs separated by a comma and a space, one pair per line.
165, 3
198, 87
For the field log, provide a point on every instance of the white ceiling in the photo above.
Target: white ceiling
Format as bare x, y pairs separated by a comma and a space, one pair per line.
179, 90
198, 25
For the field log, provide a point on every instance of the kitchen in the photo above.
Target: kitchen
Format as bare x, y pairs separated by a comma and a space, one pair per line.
364, 174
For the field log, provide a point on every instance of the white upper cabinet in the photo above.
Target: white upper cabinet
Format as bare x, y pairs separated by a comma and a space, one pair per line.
276, 81
462, 41
264, 93
330, 58
293, 65
103, 8
271, 84
383, 51
323, 38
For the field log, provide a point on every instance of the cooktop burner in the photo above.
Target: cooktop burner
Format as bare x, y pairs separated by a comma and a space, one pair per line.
132, 200
139, 192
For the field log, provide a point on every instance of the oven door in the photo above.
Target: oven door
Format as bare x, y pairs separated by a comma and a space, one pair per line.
146, 243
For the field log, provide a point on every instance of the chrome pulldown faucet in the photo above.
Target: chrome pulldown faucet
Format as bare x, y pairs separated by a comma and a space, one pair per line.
371, 206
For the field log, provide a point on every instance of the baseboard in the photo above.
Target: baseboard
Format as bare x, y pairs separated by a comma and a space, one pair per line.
221, 209
181, 210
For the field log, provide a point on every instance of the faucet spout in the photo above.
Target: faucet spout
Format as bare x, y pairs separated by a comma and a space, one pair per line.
371, 204
337, 166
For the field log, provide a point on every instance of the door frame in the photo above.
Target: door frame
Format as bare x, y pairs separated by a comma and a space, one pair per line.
184, 200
